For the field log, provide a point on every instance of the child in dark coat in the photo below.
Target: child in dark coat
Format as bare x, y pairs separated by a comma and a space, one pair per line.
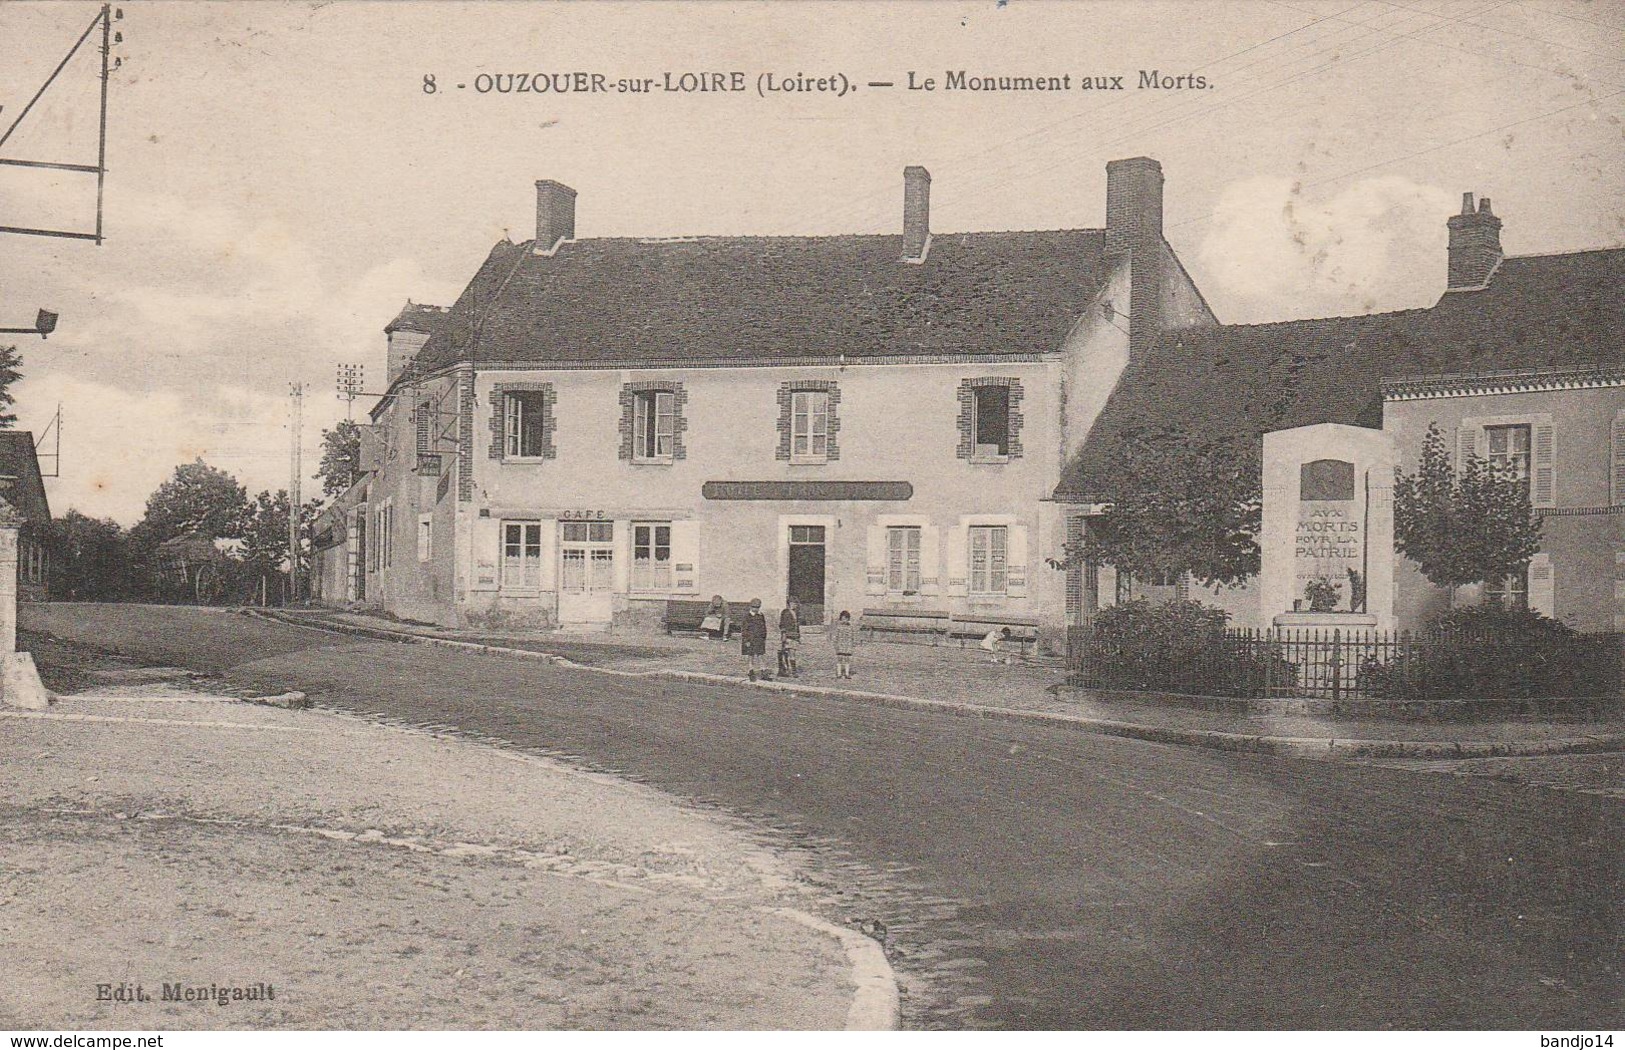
789, 640
753, 639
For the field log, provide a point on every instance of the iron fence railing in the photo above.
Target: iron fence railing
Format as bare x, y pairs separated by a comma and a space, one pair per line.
1354, 664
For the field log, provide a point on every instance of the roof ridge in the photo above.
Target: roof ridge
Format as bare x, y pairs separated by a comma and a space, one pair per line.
1559, 255
1301, 320
687, 238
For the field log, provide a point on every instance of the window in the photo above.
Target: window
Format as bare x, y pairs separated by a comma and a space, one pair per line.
651, 556
903, 559
809, 425
991, 422
521, 554
1509, 592
588, 531
654, 425
1509, 450
524, 427
425, 538
988, 559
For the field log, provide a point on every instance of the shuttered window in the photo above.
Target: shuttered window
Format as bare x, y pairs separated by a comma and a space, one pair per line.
988, 559
522, 554
903, 560
651, 556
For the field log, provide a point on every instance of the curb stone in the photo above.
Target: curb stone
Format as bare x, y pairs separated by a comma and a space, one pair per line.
875, 1002
1292, 747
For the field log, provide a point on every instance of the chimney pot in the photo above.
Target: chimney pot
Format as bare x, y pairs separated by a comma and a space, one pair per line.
916, 213
1475, 245
555, 215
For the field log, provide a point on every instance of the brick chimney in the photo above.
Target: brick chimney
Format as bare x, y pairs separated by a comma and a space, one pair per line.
555, 215
1134, 229
1133, 203
916, 213
1475, 244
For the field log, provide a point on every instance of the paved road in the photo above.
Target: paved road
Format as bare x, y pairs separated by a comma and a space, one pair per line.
1036, 877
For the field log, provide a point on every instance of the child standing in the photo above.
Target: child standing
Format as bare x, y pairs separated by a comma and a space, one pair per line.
753, 639
789, 639
845, 637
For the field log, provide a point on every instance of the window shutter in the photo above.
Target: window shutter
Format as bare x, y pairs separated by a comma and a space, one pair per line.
1542, 585
486, 534
930, 560
1618, 472
1016, 562
1543, 491
547, 571
685, 555
875, 576
958, 559
1467, 445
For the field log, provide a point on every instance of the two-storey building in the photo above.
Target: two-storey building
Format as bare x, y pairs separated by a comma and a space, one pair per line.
599, 425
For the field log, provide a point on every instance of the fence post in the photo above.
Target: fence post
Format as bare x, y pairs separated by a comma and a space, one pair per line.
1337, 664
1267, 647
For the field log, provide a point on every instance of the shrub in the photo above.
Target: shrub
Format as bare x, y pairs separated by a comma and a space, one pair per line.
1176, 646
1490, 653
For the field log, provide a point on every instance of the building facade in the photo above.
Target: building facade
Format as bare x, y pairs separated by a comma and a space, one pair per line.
598, 426
1520, 362
1562, 431
23, 486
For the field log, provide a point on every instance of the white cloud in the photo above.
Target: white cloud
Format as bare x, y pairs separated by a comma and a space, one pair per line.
119, 445
1277, 252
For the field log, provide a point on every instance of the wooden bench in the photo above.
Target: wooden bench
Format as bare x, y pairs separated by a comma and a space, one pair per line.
967, 628
686, 614
930, 623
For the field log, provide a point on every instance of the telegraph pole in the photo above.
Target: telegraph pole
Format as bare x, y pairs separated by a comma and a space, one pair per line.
296, 392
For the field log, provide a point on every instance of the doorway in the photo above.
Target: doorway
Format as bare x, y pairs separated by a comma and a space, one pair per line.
586, 571
806, 582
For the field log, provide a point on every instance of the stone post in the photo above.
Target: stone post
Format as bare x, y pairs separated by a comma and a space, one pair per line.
19, 679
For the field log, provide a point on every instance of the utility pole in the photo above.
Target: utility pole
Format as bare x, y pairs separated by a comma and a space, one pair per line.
296, 391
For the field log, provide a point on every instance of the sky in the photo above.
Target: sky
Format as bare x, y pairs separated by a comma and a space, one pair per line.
280, 182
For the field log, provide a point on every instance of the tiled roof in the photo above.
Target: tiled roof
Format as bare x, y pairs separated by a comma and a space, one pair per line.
713, 299
1538, 312
19, 460
418, 317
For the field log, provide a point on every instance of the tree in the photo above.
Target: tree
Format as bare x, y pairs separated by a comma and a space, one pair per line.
1467, 526
1180, 504
341, 457
11, 363
198, 499
265, 534
89, 558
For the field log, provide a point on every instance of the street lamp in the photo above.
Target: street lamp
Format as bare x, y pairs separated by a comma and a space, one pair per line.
44, 325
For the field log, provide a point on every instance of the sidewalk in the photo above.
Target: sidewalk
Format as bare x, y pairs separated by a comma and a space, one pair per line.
345, 874
963, 681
